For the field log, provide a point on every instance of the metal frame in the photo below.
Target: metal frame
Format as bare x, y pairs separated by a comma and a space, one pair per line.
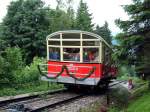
81, 40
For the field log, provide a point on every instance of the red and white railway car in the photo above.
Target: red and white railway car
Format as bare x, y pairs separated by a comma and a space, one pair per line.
78, 57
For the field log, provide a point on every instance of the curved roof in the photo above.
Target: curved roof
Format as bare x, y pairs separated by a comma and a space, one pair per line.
78, 31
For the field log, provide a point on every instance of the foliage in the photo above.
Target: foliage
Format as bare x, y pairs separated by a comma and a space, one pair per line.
126, 48
63, 17
126, 72
2, 42
114, 109
120, 95
142, 104
135, 40
71, 13
26, 25
28, 22
139, 18
104, 32
10, 62
83, 18
2, 45
16, 78
58, 20
29, 73
12, 69
139, 89
28, 88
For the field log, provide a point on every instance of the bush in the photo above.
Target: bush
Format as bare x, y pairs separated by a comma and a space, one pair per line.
10, 63
126, 71
120, 95
13, 70
30, 72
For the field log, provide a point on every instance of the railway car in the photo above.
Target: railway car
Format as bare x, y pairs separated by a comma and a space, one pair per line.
77, 57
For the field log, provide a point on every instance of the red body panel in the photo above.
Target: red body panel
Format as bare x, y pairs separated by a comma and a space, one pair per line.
79, 69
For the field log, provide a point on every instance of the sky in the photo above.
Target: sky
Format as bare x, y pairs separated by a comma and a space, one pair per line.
102, 10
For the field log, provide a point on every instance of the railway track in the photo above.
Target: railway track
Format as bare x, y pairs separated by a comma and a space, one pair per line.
14, 99
21, 100
38, 103
58, 101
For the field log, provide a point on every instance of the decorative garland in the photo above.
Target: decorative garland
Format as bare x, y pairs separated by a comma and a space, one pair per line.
80, 79
62, 69
70, 74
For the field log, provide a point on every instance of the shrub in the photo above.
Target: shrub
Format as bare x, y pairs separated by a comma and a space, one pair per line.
10, 63
13, 70
30, 72
120, 95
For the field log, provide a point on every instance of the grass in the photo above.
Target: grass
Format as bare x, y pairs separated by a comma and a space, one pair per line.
142, 104
139, 103
134, 79
28, 88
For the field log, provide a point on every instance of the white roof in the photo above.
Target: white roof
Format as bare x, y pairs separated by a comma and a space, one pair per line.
78, 32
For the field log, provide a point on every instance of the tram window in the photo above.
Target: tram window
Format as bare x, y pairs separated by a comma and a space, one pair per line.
71, 54
71, 43
90, 43
54, 53
53, 42
71, 36
91, 55
88, 37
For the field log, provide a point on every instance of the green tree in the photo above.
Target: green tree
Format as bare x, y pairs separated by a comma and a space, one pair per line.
104, 32
26, 26
61, 19
83, 18
2, 42
136, 39
71, 14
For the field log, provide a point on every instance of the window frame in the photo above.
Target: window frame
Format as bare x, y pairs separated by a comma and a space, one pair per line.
81, 47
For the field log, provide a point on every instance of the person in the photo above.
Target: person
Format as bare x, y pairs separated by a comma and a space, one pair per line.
130, 84
90, 56
50, 53
85, 56
77, 57
96, 57
56, 55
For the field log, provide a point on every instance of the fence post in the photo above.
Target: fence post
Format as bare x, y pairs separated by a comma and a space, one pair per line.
107, 94
48, 84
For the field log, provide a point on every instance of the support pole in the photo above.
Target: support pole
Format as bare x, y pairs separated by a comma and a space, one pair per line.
107, 94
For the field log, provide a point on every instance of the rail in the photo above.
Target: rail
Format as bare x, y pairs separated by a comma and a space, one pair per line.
46, 104
10, 100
